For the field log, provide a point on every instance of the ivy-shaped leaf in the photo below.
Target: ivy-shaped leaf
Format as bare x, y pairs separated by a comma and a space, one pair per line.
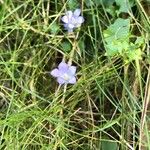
125, 5
117, 37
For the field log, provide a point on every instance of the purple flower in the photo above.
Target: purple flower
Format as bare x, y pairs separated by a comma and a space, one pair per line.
64, 73
72, 20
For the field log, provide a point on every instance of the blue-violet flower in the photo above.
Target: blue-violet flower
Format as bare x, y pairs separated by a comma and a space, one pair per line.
72, 20
64, 73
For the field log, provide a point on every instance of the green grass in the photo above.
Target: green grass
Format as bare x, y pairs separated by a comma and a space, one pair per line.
108, 107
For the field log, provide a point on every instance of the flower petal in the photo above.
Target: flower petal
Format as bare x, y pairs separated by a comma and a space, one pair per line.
69, 14
67, 28
63, 67
72, 69
55, 73
77, 12
65, 19
72, 80
80, 19
71, 26
61, 80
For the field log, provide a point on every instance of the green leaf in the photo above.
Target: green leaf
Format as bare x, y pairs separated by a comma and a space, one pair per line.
54, 28
66, 46
109, 145
116, 47
107, 3
89, 3
118, 30
134, 54
116, 37
111, 10
125, 5
97, 2
73, 4
139, 41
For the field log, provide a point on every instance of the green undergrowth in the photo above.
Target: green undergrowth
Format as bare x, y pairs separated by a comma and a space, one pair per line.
104, 110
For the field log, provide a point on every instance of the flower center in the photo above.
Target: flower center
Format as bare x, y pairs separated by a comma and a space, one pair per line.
74, 20
66, 77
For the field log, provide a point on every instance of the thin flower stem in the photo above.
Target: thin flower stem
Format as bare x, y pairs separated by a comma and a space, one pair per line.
63, 99
74, 46
63, 60
57, 91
